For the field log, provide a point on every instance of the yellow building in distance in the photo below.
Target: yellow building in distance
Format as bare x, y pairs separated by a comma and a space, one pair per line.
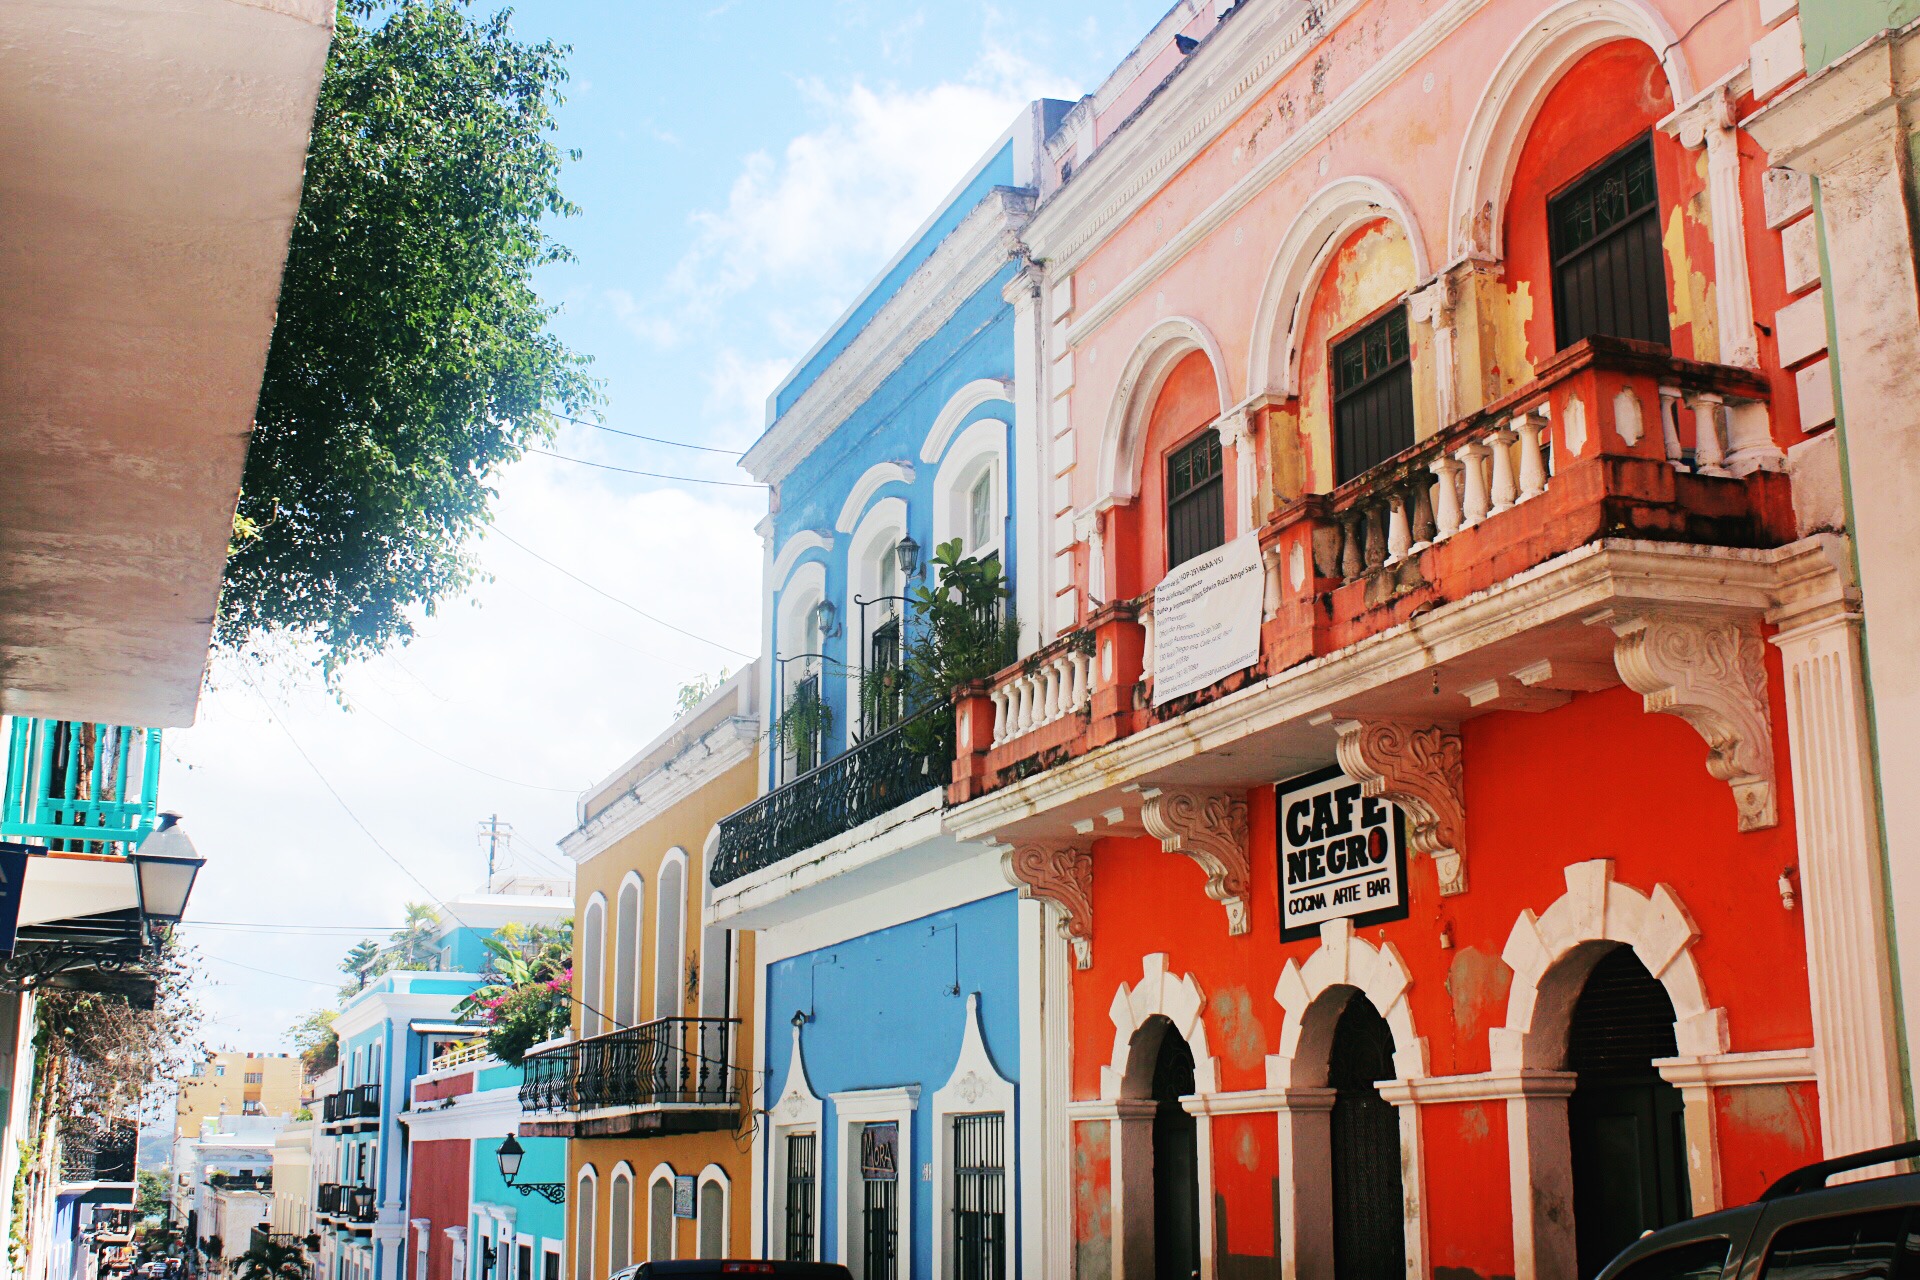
237, 1084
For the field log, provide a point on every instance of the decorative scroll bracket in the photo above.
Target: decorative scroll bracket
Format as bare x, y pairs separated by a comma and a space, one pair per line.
1061, 874
1211, 828
1420, 768
1711, 672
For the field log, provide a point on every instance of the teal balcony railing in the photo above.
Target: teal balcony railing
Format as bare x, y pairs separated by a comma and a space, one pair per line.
78, 786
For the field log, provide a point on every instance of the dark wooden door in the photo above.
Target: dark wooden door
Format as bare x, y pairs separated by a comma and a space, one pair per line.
1369, 1229
1625, 1123
1372, 395
1176, 1165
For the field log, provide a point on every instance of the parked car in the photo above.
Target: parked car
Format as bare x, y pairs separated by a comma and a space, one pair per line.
705, 1269
1799, 1229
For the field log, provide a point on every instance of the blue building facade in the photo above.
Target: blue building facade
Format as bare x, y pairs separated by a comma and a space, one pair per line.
889, 955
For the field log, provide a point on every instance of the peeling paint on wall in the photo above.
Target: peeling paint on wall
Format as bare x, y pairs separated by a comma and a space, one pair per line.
1693, 294
1092, 1200
1478, 981
1371, 268
1242, 1034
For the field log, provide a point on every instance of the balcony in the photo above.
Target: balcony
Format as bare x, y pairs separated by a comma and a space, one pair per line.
356, 1102
877, 775
1613, 440
89, 1156
64, 777
331, 1199
240, 1181
673, 1075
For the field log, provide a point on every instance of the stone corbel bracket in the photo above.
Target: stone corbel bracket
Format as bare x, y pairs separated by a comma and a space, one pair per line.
1711, 672
1420, 768
1209, 826
1061, 874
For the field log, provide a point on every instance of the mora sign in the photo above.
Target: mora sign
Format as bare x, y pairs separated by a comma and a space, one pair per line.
1340, 854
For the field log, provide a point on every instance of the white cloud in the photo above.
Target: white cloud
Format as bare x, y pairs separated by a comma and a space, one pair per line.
737, 391
830, 208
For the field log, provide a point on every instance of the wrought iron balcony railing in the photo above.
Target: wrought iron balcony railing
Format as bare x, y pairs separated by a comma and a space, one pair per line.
105, 1157
366, 1101
68, 777
331, 1198
881, 773
356, 1102
667, 1062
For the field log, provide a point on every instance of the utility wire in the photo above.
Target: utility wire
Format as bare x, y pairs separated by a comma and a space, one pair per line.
599, 591
515, 782
271, 973
654, 475
342, 802
635, 435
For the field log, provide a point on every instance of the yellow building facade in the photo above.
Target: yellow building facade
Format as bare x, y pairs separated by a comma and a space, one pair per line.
237, 1084
651, 1088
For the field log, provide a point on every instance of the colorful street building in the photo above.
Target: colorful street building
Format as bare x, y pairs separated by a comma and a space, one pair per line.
390, 1033
650, 1088
894, 964
468, 1220
1458, 824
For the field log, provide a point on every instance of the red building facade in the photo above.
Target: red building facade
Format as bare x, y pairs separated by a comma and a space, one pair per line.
1470, 328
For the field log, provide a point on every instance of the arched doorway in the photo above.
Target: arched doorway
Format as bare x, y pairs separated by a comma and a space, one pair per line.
1369, 1235
1625, 1123
1176, 1163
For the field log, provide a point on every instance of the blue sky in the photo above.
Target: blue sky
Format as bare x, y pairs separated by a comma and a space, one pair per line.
747, 166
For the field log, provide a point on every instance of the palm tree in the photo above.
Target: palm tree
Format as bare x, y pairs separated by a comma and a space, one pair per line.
270, 1261
414, 945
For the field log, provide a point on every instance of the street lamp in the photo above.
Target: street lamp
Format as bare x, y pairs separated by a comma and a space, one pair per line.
906, 554
164, 867
510, 1155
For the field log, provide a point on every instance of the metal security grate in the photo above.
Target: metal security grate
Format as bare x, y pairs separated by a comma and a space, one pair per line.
979, 1196
879, 1200
1372, 396
1196, 499
1622, 1021
800, 1182
1609, 271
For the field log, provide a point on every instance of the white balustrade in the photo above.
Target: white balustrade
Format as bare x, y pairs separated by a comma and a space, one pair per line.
1058, 685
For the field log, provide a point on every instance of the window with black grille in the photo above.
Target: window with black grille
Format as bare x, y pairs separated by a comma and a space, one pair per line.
980, 1196
1196, 499
800, 1176
1372, 395
879, 1201
1609, 274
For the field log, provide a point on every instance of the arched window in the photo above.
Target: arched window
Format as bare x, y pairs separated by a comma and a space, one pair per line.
710, 1208
592, 958
799, 692
628, 914
970, 501
583, 1212
670, 941
716, 961
660, 1215
876, 613
620, 1219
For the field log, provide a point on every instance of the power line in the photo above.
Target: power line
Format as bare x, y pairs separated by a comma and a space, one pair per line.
653, 475
600, 591
342, 802
635, 435
271, 973
515, 782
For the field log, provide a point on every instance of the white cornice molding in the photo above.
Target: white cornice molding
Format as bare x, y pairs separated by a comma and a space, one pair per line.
473, 1115
1064, 233
971, 255
726, 745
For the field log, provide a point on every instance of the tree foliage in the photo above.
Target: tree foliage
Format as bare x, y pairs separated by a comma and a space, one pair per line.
317, 1041
528, 1000
411, 357
270, 1261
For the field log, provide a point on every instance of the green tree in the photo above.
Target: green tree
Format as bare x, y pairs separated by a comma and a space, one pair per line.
528, 999
412, 357
415, 944
315, 1038
151, 1199
359, 961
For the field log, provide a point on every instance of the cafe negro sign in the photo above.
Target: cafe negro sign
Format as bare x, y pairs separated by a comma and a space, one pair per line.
1341, 854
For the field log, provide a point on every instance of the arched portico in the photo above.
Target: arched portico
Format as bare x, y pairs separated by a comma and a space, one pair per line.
1491, 147
1313, 996
1551, 956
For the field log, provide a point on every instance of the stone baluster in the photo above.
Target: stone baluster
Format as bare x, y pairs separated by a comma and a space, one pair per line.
1533, 468
1399, 531
1002, 715
1082, 665
1146, 649
1709, 452
1473, 501
1375, 523
1352, 557
1505, 492
1670, 426
1446, 496
1049, 693
1422, 513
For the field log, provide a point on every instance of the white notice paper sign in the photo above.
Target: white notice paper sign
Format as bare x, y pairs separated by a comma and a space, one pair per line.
1206, 619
